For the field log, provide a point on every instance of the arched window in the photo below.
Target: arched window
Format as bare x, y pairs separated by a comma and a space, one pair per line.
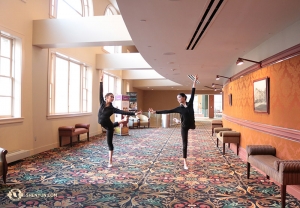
70, 8
110, 10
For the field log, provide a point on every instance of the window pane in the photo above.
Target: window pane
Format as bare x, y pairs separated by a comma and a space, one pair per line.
111, 85
65, 11
5, 47
74, 94
4, 66
105, 85
61, 86
5, 86
75, 4
5, 109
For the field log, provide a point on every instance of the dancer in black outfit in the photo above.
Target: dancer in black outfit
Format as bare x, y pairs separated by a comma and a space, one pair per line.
105, 111
187, 117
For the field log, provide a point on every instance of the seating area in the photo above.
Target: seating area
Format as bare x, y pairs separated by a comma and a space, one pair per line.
138, 121
225, 135
3, 164
215, 124
70, 131
284, 172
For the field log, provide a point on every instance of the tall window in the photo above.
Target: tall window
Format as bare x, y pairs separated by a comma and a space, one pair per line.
70, 87
10, 76
109, 84
6, 77
70, 8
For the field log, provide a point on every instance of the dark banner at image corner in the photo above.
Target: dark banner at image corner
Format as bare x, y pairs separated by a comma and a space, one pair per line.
132, 100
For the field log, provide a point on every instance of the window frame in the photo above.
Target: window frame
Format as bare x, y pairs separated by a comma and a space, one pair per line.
16, 63
86, 8
85, 86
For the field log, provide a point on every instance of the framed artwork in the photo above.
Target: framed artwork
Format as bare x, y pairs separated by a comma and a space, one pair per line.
230, 99
261, 95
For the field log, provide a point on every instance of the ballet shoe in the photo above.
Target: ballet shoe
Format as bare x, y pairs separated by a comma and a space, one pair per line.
185, 167
109, 165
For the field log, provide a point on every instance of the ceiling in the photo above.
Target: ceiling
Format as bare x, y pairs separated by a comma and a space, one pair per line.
162, 30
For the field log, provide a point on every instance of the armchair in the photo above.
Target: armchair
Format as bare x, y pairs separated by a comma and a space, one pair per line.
3, 164
133, 122
143, 121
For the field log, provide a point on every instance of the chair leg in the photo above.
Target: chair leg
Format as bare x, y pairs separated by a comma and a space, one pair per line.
78, 138
71, 141
268, 177
223, 148
283, 195
217, 142
88, 136
60, 141
228, 145
237, 148
4, 171
248, 170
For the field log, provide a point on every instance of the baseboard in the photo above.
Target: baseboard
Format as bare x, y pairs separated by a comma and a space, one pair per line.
17, 155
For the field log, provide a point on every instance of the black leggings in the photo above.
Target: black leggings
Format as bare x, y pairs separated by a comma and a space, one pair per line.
109, 126
184, 135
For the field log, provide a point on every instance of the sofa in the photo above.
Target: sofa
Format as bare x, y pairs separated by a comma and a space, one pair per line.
284, 172
3, 164
70, 131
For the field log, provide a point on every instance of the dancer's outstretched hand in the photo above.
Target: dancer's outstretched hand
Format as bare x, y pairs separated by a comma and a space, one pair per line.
176, 120
138, 113
152, 111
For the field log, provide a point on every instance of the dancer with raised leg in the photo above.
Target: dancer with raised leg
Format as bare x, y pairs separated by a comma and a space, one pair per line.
187, 117
105, 111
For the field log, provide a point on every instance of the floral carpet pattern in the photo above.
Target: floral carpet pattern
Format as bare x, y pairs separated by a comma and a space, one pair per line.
147, 172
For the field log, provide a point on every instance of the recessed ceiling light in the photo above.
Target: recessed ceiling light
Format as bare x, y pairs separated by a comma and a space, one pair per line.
173, 69
143, 20
169, 53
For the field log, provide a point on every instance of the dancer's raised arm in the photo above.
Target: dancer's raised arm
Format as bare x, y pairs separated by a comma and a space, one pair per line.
195, 81
101, 99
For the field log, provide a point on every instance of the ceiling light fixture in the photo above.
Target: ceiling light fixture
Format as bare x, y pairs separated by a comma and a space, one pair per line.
240, 61
169, 53
218, 77
213, 85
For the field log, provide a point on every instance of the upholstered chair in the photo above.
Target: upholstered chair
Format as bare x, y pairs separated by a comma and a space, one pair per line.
3, 164
133, 122
144, 121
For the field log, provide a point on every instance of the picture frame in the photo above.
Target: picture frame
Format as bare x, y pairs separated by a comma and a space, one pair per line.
261, 95
230, 99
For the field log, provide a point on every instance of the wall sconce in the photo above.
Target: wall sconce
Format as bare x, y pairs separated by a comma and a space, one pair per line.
240, 61
215, 89
213, 85
218, 77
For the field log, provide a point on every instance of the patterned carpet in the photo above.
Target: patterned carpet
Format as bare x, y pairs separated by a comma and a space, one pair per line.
147, 172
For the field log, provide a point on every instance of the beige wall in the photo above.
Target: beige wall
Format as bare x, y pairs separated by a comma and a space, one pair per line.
164, 99
19, 136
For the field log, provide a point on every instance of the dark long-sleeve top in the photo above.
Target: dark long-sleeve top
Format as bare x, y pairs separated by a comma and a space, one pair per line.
187, 115
104, 112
